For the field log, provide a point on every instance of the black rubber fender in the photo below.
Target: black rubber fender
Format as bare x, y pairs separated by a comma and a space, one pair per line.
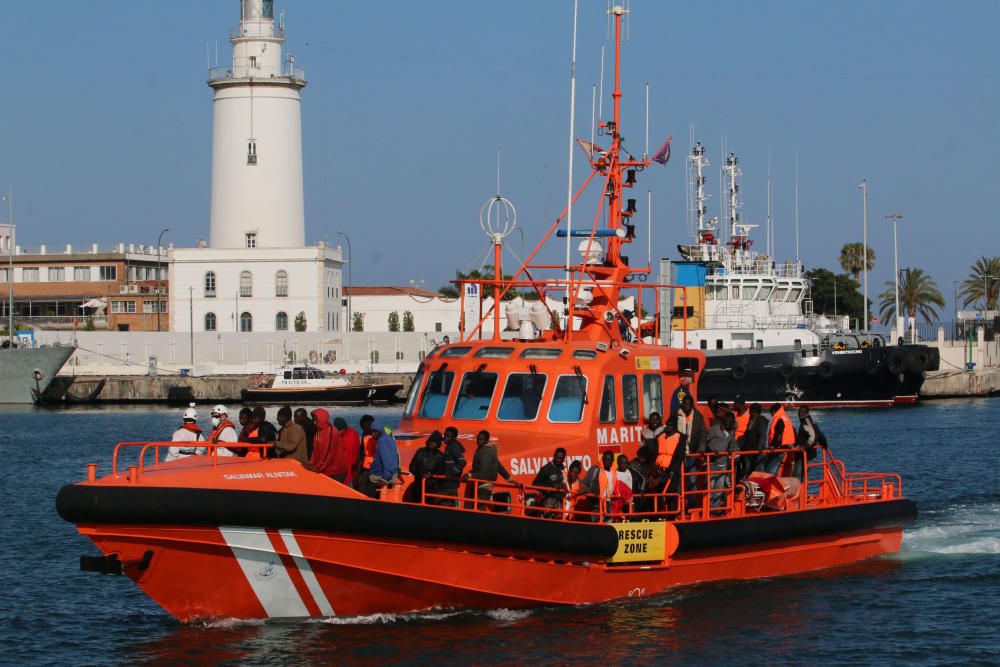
897, 361
825, 370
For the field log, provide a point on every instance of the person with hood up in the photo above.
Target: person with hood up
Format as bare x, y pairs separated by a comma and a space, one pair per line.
427, 463
326, 444
385, 462
188, 432
350, 448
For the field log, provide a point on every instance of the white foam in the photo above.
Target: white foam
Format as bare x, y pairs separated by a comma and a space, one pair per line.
503, 615
960, 529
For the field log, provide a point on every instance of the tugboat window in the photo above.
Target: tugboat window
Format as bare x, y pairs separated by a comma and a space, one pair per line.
300, 374
541, 353
495, 352
652, 394
435, 395
585, 354
456, 352
630, 398
609, 411
474, 395
760, 344
718, 343
567, 399
521, 397
411, 395
703, 343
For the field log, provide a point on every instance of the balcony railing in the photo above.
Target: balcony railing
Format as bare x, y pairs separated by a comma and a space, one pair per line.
237, 32
249, 72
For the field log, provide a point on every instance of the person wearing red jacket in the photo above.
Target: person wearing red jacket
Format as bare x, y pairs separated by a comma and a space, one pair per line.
326, 446
350, 446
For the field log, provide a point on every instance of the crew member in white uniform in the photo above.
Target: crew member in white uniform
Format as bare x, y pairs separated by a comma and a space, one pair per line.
188, 432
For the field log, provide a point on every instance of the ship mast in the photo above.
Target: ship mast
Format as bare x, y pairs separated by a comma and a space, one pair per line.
706, 227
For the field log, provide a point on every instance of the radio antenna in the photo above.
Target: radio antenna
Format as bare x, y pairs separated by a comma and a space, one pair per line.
572, 132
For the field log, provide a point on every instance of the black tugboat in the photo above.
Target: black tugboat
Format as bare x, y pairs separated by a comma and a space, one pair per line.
752, 318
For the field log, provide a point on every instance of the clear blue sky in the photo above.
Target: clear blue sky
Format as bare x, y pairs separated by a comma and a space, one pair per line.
106, 120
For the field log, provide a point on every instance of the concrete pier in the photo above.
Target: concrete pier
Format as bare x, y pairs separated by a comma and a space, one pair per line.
172, 388
958, 383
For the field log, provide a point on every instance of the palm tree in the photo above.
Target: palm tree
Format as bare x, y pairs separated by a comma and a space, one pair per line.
852, 258
983, 280
918, 293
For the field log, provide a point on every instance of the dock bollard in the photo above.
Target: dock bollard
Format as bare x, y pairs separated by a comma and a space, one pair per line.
91, 472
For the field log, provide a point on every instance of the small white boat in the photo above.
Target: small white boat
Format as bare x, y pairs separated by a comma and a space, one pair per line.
308, 384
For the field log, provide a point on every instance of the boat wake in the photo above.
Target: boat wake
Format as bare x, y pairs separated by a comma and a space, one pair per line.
502, 615
970, 525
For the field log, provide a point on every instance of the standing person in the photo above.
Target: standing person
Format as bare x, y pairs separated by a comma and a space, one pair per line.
454, 464
713, 409
485, 468
427, 462
303, 420
627, 485
781, 435
368, 443
245, 419
223, 430
385, 462
754, 442
291, 442
264, 432
719, 443
651, 434
326, 444
691, 424
350, 447
607, 482
188, 432
577, 503
807, 439
742, 417
669, 465
551, 476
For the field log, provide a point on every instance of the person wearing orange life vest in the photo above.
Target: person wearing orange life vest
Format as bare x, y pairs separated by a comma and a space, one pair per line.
189, 432
366, 455
780, 435
742, 417
223, 430
670, 460
577, 503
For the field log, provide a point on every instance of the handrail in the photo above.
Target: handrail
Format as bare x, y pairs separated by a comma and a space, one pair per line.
212, 449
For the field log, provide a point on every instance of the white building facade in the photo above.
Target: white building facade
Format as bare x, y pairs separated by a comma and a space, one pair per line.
256, 273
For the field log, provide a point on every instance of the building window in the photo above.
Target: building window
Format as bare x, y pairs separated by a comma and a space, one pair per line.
703, 343
281, 321
210, 285
81, 273
209, 321
281, 284
150, 306
29, 275
251, 239
246, 322
437, 326
246, 284
108, 272
374, 356
57, 274
4, 276
718, 343
399, 355
123, 306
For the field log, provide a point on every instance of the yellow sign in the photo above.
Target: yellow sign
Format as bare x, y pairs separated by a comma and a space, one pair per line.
640, 541
647, 363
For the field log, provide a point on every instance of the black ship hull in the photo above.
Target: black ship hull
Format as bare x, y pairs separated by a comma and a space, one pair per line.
873, 377
355, 394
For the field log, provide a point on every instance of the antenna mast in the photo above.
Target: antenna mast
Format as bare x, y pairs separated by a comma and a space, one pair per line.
572, 135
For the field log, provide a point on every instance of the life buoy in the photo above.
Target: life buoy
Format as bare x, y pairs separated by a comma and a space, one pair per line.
825, 370
786, 370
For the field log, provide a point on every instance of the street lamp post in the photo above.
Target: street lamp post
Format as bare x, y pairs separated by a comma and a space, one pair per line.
896, 217
864, 206
350, 285
9, 196
159, 279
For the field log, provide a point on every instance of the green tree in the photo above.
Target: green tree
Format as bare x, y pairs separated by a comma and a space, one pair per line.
300, 321
982, 287
408, 321
358, 322
449, 291
394, 321
852, 259
918, 294
485, 273
835, 294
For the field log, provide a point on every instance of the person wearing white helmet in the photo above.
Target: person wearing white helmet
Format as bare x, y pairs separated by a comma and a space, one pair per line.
223, 430
189, 432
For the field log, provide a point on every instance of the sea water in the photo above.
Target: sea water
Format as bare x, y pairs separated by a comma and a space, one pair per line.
935, 602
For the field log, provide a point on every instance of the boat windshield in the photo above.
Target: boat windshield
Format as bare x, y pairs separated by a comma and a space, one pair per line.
474, 396
630, 398
411, 396
652, 394
609, 411
568, 399
521, 397
435, 396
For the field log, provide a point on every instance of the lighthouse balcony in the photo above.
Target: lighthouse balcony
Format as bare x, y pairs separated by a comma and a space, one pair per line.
254, 72
265, 29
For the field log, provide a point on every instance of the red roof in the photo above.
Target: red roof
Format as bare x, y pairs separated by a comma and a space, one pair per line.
387, 290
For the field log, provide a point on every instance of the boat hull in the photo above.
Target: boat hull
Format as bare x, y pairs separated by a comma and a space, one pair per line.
18, 366
361, 394
874, 377
347, 557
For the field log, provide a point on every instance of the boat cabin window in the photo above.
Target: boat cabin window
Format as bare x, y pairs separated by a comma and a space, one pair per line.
736, 292
703, 343
630, 398
585, 354
568, 399
287, 375
411, 396
765, 292
652, 394
760, 344
718, 343
521, 397
541, 353
459, 351
495, 352
780, 294
435, 396
609, 411
721, 292
794, 294
474, 395
316, 374
300, 373
797, 344
687, 364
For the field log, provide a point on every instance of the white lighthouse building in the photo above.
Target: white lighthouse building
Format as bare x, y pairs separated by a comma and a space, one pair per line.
256, 272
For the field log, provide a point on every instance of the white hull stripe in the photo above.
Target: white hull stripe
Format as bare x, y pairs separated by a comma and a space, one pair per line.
305, 569
265, 572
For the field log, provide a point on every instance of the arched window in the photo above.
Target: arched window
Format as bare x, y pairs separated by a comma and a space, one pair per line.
281, 284
210, 284
246, 284
375, 356
281, 321
209, 321
246, 322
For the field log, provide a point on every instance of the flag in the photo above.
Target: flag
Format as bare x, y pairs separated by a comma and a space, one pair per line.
589, 148
663, 155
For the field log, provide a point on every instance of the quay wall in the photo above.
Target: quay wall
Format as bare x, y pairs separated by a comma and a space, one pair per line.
958, 383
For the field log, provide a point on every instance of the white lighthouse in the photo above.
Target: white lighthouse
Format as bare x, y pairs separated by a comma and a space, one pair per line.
256, 274
257, 138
